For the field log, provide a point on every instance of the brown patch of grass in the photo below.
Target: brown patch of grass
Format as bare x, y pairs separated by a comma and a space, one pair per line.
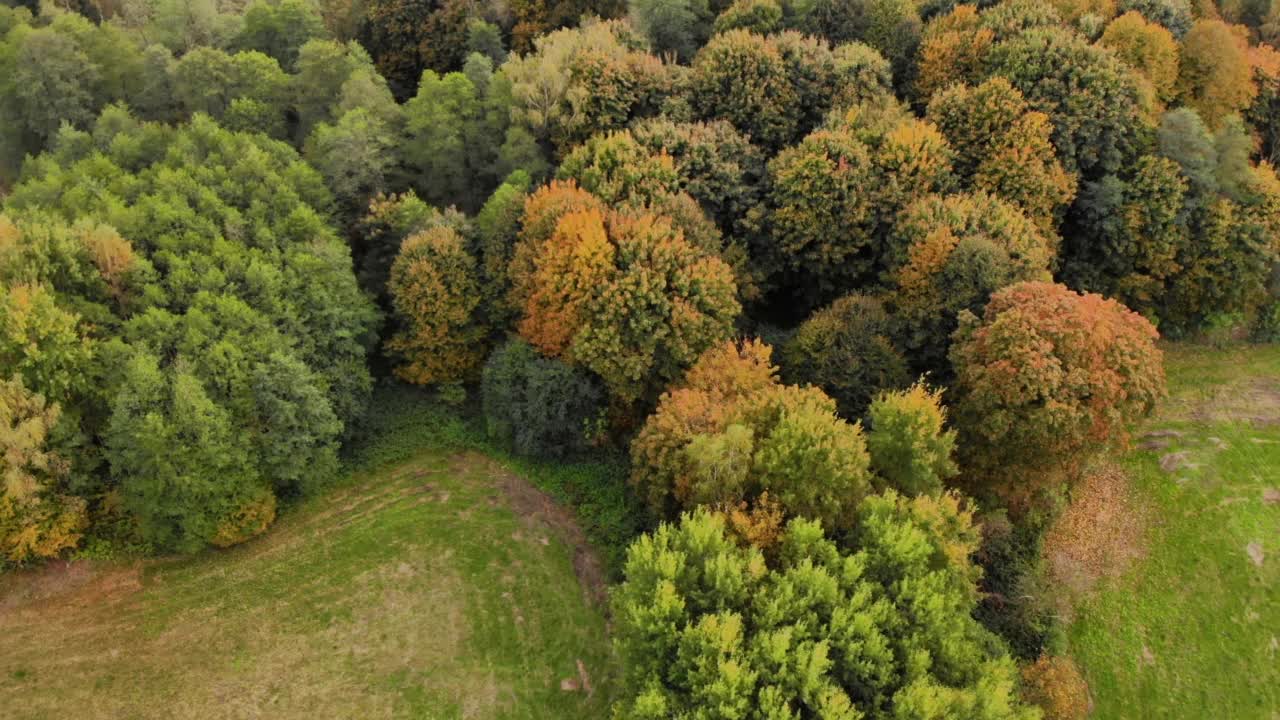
1253, 400
540, 514
1098, 536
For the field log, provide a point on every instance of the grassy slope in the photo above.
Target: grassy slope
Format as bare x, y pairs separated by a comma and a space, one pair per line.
414, 590
1191, 630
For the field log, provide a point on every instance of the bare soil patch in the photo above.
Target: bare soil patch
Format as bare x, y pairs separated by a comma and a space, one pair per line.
541, 514
1255, 400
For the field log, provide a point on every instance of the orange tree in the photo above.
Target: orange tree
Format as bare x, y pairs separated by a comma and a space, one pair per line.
1048, 377
623, 294
732, 432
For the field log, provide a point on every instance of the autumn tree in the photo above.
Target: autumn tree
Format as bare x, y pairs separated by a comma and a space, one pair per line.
1047, 378
732, 432
855, 178
1216, 78
435, 291
705, 624
1148, 48
742, 77
1088, 94
1003, 147
958, 251
715, 164
1133, 232
758, 16
909, 445
953, 49
38, 518
580, 82
623, 294
1174, 15
845, 349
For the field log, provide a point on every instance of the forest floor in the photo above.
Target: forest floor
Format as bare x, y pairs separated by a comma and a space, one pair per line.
441, 586
1170, 579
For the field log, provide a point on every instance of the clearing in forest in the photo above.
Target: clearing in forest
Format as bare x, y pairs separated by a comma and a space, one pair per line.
442, 587
1182, 618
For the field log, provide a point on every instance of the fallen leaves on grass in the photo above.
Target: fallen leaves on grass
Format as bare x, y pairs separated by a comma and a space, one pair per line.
1098, 535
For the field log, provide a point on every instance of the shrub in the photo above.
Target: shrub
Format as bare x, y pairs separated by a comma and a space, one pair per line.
537, 405
435, 290
703, 623
909, 448
845, 350
249, 520
1056, 685
1047, 378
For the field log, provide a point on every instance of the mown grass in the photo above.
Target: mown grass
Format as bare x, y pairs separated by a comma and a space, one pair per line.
1192, 629
418, 587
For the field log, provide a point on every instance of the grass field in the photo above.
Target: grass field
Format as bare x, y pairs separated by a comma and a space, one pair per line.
434, 584
1191, 627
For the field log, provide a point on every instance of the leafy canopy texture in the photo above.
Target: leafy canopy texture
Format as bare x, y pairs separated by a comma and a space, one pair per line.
624, 295
909, 447
732, 432
38, 518
845, 349
1048, 377
708, 628
538, 405
208, 335
435, 290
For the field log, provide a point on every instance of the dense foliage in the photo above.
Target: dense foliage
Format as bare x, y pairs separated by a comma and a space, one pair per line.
880, 631
220, 222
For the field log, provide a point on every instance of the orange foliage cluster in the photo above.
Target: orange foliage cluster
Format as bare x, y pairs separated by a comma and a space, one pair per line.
1056, 685
623, 294
1050, 376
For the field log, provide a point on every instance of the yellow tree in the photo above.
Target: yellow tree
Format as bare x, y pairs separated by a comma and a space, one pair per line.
1148, 48
1216, 77
436, 292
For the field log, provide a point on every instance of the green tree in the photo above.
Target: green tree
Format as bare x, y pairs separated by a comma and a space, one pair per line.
43, 344
538, 405
181, 467
909, 446
673, 26
845, 349
444, 143
705, 626
279, 28
1089, 95
354, 156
